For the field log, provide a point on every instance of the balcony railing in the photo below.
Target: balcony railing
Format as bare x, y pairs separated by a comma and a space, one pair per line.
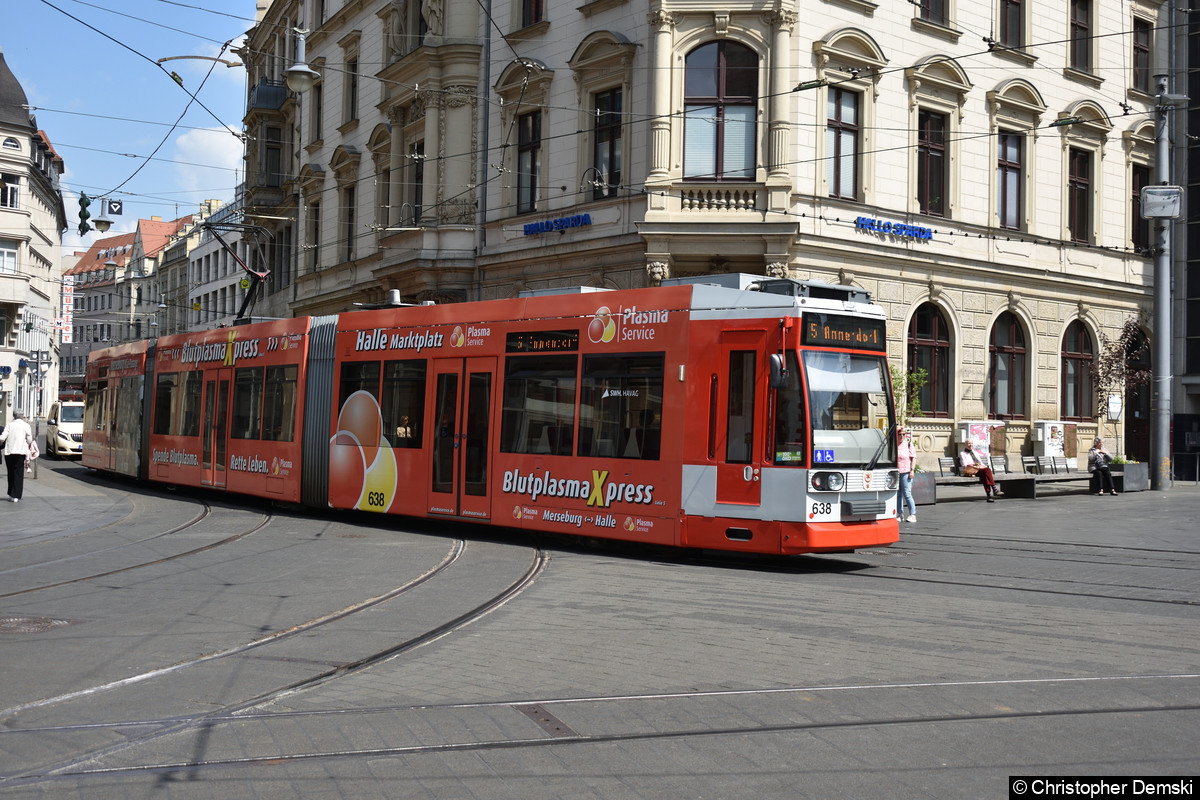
267, 96
719, 198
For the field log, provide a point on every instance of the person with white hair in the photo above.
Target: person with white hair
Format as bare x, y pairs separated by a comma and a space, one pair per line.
970, 464
18, 444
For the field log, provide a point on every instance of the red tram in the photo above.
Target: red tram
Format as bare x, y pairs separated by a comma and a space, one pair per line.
734, 412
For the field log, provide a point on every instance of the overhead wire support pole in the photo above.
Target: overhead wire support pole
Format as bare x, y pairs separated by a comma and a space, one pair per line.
1161, 388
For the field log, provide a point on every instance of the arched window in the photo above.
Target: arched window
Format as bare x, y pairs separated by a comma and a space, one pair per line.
929, 349
1006, 376
721, 96
1077, 354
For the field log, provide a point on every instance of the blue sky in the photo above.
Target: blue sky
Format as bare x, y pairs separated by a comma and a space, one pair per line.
106, 105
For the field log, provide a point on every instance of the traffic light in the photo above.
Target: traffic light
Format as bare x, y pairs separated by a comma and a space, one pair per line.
84, 216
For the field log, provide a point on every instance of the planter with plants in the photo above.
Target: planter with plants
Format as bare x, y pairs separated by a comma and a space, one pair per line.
1130, 476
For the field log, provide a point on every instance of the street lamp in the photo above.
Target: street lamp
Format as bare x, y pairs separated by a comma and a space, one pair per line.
102, 223
300, 77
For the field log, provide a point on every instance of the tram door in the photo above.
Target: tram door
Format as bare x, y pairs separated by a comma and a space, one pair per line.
461, 437
215, 428
740, 421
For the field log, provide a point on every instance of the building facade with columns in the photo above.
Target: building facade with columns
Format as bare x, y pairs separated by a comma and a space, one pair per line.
975, 164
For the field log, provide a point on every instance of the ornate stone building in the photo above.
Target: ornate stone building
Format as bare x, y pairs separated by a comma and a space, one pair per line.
974, 164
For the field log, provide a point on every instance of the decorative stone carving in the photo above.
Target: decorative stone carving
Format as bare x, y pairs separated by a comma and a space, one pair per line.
777, 269
431, 10
661, 18
657, 272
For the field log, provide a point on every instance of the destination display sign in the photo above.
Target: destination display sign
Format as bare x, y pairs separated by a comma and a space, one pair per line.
542, 341
833, 330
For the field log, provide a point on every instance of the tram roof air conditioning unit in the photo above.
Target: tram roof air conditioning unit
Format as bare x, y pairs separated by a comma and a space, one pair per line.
782, 286
814, 289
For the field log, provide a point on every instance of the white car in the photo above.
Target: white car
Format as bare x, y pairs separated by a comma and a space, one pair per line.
64, 429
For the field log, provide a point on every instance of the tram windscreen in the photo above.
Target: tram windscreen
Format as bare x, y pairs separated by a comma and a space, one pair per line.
850, 409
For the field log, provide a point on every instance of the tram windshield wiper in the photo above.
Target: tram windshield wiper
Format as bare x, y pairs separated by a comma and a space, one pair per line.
870, 465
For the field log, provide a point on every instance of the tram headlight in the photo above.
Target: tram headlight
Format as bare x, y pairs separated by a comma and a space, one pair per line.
828, 481
893, 481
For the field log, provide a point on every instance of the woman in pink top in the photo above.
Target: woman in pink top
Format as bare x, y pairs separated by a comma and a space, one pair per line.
906, 462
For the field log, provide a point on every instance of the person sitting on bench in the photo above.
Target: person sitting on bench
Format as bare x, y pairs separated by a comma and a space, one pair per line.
970, 464
1098, 461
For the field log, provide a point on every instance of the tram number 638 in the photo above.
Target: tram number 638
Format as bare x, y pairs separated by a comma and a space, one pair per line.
375, 499
822, 508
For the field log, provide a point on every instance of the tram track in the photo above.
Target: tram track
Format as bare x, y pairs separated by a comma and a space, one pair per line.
1082, 570
135, 733
996, 584
1151, 690
205, 513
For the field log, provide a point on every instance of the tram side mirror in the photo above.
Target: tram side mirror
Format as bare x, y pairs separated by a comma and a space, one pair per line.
779, 373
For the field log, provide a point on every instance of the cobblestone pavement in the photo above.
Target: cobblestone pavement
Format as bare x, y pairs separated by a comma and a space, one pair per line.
193, 646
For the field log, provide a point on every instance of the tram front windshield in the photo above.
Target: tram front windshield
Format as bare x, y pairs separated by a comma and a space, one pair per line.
850, 410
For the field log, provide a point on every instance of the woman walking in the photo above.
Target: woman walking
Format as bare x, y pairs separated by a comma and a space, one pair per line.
18, 442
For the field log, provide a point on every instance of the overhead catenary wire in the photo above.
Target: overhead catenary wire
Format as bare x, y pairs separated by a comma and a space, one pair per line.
631, 120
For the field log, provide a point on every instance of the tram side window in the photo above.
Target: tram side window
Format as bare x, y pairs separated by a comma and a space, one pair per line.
93, 410
164, 402
539, 405
189, 418
403, 402
620, 409
739, 425
359, 376
791, 419
279, 404
177, 403
247, 403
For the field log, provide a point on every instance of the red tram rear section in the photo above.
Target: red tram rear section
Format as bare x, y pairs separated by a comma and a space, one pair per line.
730, 412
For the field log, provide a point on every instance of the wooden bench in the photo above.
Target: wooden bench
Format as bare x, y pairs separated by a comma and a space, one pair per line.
950, 475
1041, 470
1038, 470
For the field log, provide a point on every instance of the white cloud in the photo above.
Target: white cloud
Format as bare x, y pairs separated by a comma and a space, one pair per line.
210, 163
